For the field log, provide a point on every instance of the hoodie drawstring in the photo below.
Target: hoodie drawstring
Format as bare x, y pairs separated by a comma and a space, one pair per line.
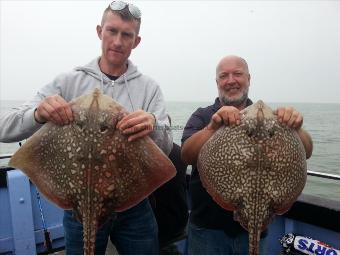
101, 83
127, 89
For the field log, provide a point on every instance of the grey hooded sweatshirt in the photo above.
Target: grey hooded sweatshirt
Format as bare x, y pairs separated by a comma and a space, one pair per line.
132, 90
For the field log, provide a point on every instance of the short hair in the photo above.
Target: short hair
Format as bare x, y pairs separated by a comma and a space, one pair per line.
244, 62
124, 14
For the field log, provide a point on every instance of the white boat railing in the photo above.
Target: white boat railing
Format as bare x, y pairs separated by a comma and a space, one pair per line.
5, 156
323, 175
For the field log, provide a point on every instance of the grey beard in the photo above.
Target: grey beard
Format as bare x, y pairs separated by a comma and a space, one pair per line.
234, 102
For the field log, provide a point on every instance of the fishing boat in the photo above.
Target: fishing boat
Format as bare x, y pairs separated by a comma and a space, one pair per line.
29, 224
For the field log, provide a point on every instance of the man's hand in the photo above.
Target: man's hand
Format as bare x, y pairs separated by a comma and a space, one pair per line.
137, 124
54, 109
227, 115
289, 117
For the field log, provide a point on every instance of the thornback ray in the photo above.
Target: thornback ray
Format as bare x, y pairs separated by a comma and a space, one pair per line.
256, 169
90, 167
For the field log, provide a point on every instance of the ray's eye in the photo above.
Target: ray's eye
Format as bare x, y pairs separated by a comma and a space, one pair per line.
80, 125
103, 129
271, 132
251, 132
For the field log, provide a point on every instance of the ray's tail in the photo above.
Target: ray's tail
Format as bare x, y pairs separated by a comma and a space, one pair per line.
254, 241
90, 231
90, 227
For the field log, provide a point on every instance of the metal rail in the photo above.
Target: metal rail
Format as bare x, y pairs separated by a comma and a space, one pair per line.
4, 156
309, 172
323, 175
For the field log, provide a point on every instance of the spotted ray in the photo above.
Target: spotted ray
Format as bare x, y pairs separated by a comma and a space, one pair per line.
256, 169
89, 166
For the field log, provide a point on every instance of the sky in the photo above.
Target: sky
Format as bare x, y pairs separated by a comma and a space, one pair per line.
292, 47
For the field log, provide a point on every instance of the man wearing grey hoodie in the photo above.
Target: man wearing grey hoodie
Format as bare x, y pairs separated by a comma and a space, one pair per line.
135, 230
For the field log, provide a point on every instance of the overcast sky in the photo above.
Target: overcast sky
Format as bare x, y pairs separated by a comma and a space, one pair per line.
292, 47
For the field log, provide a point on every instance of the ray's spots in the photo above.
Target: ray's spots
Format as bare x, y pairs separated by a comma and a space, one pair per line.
89, 166
254, 167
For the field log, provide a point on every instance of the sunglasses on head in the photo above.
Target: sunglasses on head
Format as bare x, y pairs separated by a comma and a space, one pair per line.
120, 5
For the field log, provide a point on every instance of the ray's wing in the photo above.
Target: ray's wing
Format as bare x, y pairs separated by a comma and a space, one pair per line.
224, 165
131, 170
43, 159
287, 173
